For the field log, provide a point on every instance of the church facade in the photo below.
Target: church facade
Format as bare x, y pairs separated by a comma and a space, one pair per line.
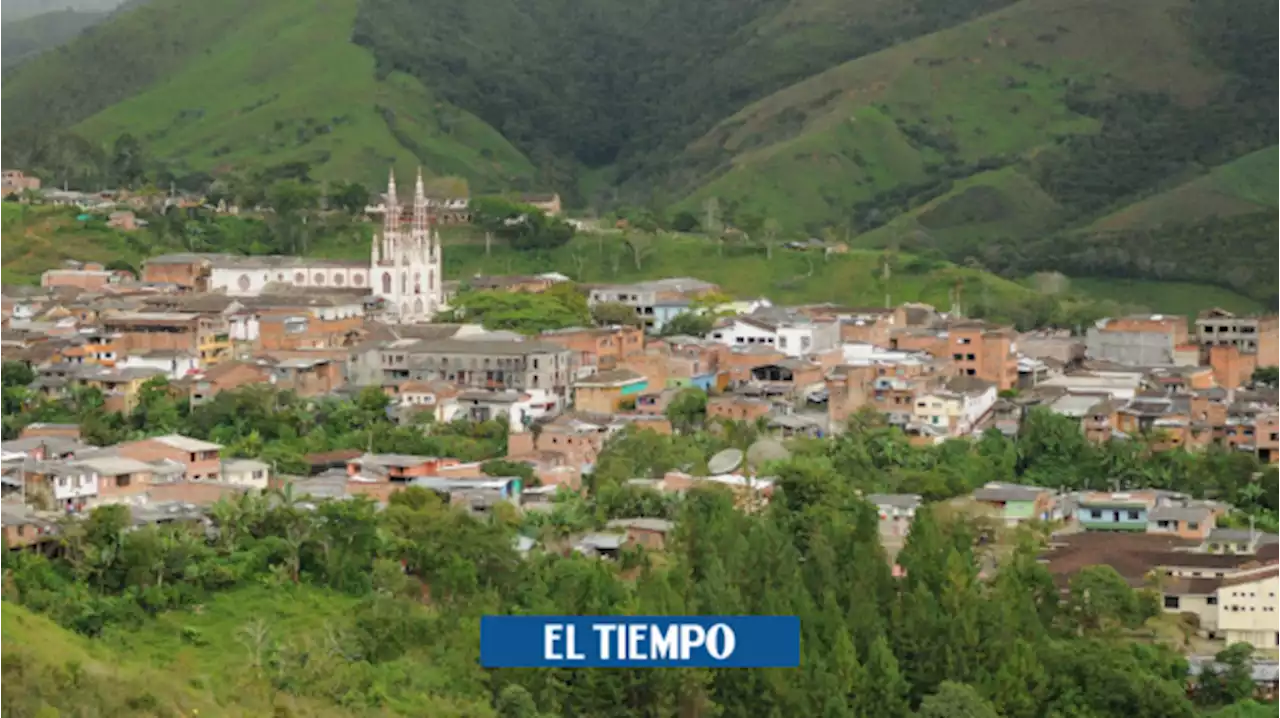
406, 263
404, 268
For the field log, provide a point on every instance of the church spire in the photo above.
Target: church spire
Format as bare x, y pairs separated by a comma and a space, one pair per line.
420, 219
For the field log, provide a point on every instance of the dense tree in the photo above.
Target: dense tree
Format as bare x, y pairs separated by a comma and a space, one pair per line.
693, 324
614, 314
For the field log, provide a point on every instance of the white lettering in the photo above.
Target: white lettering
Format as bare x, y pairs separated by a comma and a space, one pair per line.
635, 638
551, 636
663, 643
571, 646
721, 641
691, 636
622, 641
604, 630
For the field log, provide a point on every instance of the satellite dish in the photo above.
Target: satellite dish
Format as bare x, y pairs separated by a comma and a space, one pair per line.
766, 450
725, 461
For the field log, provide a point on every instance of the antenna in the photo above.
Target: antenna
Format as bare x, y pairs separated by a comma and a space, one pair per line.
766, 450
725, 462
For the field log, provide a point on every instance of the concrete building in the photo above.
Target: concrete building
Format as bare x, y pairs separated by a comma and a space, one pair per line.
1138, 340
645, 297
981, 351
250, 473
1247, 608
795, 337
482, 364
201, 459
1251, 335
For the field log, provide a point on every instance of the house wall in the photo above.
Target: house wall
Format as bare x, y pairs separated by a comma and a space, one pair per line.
123, 488
1247, 612
739, 333
201, 466
1205, 609
1111, 517
1136, 347
243, 282
600, 400
191, 275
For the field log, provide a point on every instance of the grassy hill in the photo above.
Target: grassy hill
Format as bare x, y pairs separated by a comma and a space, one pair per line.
1018, 135
992, 89
1244, 186
37, 239
27, 37
246, 85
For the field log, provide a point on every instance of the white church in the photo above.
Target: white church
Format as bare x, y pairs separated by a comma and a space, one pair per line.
404, 268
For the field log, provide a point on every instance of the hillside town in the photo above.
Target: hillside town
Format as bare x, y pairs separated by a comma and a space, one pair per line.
203, 324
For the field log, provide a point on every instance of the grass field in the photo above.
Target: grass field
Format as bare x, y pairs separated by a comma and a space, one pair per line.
1183, 298
991, 87
281, 82
1246, 185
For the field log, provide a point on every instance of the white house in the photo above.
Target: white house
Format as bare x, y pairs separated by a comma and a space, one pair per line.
957, 406
1247, 607
745, 331
73, 486
174, 364
520, 408
793, 337
246, 472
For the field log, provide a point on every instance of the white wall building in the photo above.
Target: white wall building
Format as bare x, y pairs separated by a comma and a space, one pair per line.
793, 338
174, 364
73, 486
246, 472
1247, 608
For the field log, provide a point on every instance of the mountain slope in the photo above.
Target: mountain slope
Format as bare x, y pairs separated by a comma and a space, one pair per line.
25, 38
1246, 185
990, 89
250, 85
15, 10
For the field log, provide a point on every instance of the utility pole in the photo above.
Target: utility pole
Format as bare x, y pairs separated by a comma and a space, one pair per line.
885, 275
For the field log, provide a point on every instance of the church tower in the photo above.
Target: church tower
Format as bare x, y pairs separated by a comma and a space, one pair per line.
405, 261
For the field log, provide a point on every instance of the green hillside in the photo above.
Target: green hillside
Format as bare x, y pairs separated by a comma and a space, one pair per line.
990, 89
49, 671
262, 85
25, 38
1019, 136
1244, 186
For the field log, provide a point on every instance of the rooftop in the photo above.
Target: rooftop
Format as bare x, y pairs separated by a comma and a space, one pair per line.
186, 443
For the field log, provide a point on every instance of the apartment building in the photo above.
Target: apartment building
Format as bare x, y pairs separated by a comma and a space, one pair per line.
1258, 336
980, 351
204, 336
602, 348
482, 364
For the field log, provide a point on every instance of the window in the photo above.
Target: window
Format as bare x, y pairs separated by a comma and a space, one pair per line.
1095, 514
782, 342
1171, 602
969, 357
957, 357
1193, 525
1211, 600
965, 340
971, 372
1133, 515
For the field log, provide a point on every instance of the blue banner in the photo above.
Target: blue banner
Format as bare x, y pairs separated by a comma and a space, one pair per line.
640, 641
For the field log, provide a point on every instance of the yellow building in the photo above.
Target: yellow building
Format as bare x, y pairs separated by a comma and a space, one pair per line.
1247, 608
